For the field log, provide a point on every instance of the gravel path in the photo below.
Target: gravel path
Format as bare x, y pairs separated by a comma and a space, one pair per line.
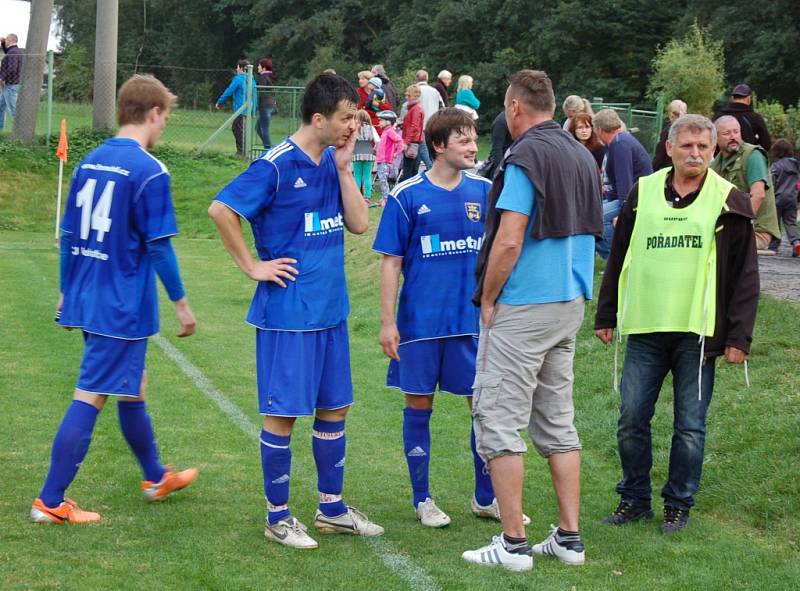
780, 275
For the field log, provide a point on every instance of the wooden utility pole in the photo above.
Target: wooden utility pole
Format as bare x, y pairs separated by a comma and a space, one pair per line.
105, 65
33, 70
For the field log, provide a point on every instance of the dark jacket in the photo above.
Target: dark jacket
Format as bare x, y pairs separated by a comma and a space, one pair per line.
266, 98
737, 273
754, 128
626, 161
442, 90
501, 141
786, 177
661, 159
564, 176
11, 68
390, 92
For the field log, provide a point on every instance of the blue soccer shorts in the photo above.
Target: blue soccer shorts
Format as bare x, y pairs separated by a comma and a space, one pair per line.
298, 372
111, 366
448, 362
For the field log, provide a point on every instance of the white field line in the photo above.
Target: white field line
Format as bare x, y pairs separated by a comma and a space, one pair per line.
400, 565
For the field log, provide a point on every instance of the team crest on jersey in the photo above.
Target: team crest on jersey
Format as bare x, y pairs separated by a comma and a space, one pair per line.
473, 211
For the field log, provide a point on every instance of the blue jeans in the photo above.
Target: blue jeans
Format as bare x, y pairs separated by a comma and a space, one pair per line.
8, 99
264, 117
648, 358
611, 210
424, 156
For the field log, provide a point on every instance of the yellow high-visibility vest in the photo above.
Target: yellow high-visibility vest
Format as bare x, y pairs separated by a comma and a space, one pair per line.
668, 281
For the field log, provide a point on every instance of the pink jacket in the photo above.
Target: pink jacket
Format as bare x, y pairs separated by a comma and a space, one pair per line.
391, 145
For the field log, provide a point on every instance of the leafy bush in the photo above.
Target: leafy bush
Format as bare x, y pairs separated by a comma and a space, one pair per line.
691, 69
73, 76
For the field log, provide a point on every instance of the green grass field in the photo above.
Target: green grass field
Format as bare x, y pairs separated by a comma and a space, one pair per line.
744, 530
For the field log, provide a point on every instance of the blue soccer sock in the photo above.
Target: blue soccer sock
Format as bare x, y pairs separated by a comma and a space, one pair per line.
417, 447
328, 444
276, 462
484, 491
69, 448
136, 427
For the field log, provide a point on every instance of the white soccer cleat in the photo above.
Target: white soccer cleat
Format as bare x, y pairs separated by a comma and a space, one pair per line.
290, 532
495, 554
572, 553
430, 515
492, 511
354, 523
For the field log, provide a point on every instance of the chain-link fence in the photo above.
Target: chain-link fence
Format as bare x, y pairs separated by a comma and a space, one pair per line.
645, 125
194, 125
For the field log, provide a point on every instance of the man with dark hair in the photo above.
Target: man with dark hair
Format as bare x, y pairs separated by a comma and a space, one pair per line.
535, 270
431, 231
267, 106
745, 165
754, 128
115, 240
10, 74
682, 282
237, 89
299, 197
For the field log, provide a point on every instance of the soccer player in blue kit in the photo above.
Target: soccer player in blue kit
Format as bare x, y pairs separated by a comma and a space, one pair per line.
431, 231
115, 238
299, 198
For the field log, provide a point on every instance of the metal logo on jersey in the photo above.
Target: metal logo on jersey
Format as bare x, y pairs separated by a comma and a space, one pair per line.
473, 211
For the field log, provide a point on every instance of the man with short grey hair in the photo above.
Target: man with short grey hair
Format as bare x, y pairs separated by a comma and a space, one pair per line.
745, 165
682, 283
10, 74
626, 160
431, 102
535, 270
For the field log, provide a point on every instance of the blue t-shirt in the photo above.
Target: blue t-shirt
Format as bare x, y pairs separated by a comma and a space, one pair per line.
294, 207
438, 232
118, 201
549, 270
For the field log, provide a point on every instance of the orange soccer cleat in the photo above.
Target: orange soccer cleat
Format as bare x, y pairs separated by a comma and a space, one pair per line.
170, 482
67, 512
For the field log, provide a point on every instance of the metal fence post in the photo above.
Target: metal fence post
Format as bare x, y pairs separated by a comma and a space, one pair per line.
248, 113
49, 96
659, 120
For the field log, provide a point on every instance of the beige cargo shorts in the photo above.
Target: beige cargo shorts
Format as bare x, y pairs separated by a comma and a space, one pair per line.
524, 378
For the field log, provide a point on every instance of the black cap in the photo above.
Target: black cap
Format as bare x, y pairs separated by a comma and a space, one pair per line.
742, 90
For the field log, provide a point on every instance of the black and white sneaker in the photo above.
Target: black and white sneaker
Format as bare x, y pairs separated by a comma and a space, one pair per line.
627, 512
674, 519
496, 554
567, 551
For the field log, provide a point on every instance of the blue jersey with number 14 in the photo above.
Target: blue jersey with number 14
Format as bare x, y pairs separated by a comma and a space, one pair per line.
118, 201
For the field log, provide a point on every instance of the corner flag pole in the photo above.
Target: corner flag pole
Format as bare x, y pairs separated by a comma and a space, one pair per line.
61, 152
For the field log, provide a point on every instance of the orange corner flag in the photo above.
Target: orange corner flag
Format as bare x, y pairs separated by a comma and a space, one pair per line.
63, 145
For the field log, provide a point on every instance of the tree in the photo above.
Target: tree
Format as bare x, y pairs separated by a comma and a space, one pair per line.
760, 42
33, 66
691, 69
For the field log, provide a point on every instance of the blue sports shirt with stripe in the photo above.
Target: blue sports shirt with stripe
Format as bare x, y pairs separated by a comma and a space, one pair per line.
119, 200
438, 232
294, 207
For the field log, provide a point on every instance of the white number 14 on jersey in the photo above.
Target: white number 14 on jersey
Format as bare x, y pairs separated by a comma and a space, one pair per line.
97, 219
